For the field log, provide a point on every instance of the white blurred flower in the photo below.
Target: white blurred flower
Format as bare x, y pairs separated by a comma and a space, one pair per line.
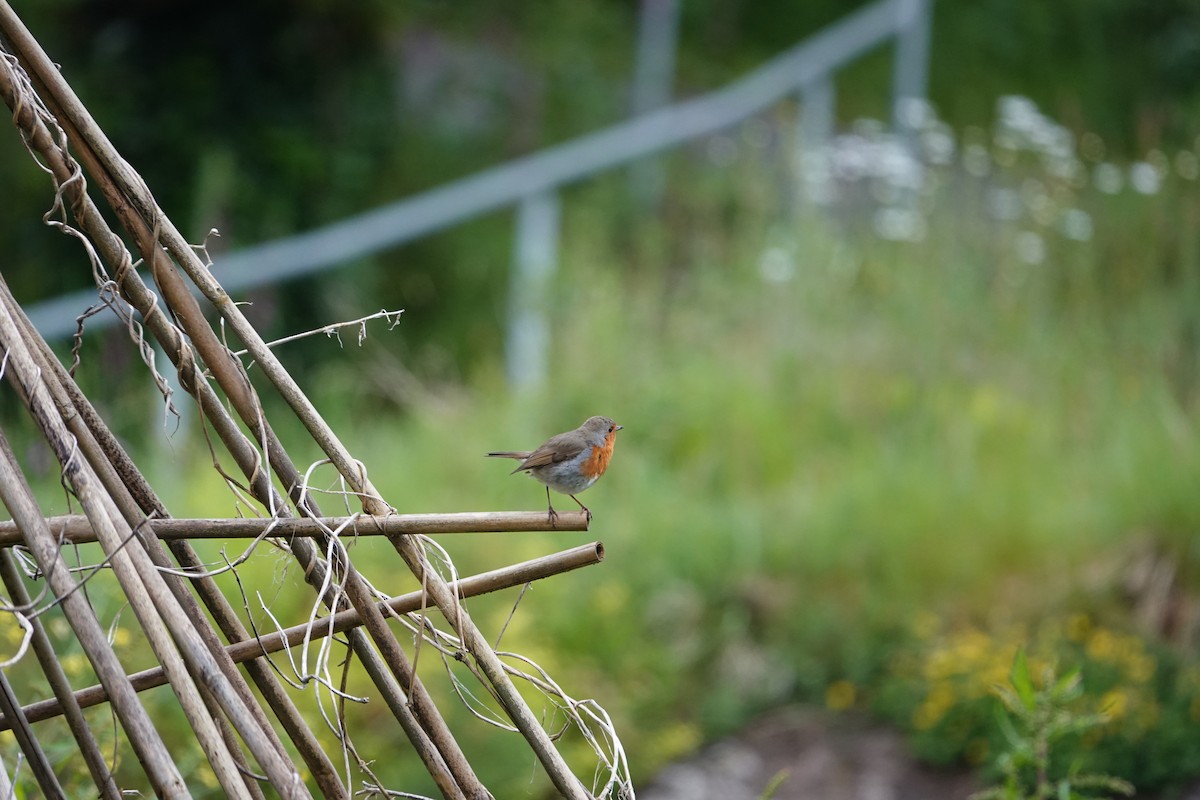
1076, 224
854, 156
915, 113
1020, 126
776, 265
850, 158
1017, 113
937, 142
897, 165
1054, 141
1145, 178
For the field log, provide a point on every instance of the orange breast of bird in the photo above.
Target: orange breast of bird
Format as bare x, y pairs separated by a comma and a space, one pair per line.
597, 462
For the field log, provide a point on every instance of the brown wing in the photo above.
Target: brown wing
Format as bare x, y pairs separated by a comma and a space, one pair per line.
557, 448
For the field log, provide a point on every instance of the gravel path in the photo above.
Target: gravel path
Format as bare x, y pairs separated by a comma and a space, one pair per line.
810, 755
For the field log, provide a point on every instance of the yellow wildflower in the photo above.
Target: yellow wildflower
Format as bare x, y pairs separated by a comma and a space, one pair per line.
939, 700
14, 634
74, 664
992, 675
206, 776
121, 637
1078, 627
940, 665
972, 648
1102, 645
840, 695
1115, 703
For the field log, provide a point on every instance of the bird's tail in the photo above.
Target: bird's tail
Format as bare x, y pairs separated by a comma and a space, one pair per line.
519, 455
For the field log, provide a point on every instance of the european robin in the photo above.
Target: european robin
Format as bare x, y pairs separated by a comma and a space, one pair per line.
569, 462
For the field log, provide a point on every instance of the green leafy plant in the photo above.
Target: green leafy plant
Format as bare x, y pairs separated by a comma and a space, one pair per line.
1033, 720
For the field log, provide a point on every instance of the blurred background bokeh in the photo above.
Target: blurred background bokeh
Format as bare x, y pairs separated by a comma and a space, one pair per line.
895, 408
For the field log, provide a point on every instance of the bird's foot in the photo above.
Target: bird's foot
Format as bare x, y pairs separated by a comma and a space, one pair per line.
586, 510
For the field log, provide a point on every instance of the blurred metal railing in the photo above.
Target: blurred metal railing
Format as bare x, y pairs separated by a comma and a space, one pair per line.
532, 182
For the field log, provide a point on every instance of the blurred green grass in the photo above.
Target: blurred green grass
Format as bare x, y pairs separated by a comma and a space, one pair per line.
809, 463
827, 435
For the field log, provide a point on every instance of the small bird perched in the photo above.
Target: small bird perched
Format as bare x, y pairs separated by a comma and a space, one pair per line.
569, 462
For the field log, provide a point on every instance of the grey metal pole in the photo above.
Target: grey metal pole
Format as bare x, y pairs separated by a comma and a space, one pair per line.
534, 260
653, 80
914, 19
654, 70
818, 100
814, 130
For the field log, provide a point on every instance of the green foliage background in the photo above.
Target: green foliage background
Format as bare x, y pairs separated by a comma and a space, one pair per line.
831, 439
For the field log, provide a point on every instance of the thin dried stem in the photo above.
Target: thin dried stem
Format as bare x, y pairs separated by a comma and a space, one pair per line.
333, 330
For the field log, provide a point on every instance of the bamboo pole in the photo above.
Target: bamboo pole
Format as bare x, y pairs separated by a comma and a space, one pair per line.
421, 720
112, 248
55, 380
160, 768
236, 385
388, 666
76, 529
39, 764
168, 631
97, 765
351, 469
483, 583
355, 474
323, 771
134, 189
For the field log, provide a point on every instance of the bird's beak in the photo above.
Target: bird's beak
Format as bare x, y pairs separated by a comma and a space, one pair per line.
620, 427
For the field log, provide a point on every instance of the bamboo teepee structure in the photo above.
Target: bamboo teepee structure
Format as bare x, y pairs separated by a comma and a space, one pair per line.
236, 701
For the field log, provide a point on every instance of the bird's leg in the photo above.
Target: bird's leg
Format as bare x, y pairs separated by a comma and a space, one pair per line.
586, 510
553, 514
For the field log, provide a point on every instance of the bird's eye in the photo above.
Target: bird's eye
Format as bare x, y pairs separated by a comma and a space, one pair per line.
611, 428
